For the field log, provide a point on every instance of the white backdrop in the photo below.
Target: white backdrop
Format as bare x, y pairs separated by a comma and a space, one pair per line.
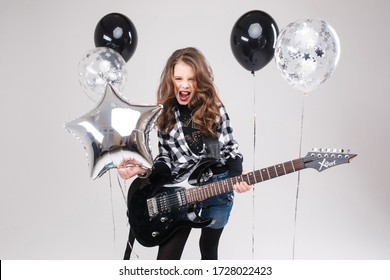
50, 209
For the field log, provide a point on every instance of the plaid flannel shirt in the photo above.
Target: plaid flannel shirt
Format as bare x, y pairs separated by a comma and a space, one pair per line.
174, 151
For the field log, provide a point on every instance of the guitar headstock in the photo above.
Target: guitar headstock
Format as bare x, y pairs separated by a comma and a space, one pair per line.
322, 159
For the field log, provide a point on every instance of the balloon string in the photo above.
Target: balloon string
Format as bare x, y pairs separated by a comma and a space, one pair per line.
123, 189
254, 163
112, 211
299, 176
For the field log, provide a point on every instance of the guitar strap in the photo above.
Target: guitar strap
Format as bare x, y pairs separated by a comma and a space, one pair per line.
129, 245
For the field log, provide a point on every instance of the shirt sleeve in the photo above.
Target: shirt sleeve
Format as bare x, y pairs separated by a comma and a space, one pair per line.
161, 171
160, 174
229, 146
164, 150
234, 166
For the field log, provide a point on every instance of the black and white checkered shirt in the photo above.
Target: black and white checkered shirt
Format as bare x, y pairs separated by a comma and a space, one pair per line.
176, 154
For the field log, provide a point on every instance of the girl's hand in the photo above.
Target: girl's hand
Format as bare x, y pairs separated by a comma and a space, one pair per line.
129, 167
242, 186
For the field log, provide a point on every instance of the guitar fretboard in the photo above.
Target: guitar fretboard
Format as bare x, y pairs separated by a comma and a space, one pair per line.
204, 192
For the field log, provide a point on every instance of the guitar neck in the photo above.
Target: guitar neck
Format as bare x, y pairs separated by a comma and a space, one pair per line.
201, 193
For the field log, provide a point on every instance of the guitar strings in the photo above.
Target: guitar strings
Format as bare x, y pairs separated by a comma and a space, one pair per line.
251, 178
199, 191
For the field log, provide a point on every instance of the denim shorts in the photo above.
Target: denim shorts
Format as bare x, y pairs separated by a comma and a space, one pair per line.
217, 207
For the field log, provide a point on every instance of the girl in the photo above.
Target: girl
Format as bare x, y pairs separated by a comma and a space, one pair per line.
193, 125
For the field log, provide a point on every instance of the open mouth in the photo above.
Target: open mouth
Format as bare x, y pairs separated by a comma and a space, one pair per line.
184, 95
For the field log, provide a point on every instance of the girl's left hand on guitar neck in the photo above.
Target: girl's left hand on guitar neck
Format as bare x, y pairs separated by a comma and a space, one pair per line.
242, 186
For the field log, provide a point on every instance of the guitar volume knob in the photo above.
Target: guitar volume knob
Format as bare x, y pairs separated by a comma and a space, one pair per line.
155, 233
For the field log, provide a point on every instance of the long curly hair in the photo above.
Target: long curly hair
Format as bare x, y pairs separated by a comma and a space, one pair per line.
204, 103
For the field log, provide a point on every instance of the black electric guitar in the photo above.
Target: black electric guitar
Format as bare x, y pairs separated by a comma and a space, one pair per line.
155, 212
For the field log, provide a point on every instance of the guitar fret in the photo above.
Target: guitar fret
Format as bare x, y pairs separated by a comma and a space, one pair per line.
299, 163
280, 170
261, 176
191, 194
289, 167
220, 187
251, 178
234, 180
271, 172
228, 184
265, 174
194, 194
212, 189
284, 169
292, 164
224, 185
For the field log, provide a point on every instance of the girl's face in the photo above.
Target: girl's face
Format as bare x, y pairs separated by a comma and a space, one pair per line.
184, 82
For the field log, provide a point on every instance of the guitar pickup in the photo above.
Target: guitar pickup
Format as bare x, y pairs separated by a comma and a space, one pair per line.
181, 198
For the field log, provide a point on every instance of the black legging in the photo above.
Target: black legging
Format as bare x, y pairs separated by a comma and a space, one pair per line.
174, 246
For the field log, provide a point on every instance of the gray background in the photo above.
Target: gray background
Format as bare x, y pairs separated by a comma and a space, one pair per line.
49, 207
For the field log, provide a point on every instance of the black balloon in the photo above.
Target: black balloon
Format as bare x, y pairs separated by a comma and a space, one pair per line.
117, 32
253, 39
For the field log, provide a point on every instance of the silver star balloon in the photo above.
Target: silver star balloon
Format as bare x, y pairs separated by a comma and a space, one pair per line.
113, 130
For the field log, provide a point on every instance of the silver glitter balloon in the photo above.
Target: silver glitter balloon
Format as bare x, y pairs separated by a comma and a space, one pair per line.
101, 66
113, 130
307, 52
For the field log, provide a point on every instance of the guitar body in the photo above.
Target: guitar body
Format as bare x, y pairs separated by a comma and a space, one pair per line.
156, 212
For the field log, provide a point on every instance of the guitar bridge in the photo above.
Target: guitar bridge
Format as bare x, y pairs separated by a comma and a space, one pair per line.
152, 207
